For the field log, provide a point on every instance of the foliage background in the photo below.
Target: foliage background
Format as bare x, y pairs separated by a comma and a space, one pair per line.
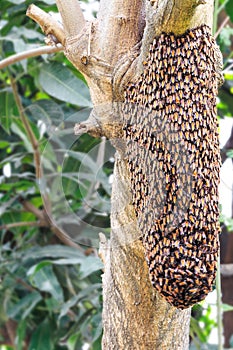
50, 291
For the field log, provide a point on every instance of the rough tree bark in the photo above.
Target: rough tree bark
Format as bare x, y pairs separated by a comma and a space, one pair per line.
110, 51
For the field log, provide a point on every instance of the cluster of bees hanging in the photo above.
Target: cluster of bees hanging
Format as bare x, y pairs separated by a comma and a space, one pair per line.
172, 147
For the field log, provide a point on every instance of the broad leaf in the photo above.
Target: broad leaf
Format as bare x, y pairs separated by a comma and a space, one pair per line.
21, 331
52, 251
90, 265
47, 111
8, 108
59, 82
43, 278
23, 308
43, 337
229, 9
87, 292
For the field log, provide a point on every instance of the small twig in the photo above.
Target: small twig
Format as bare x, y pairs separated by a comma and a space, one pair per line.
64, 237
28, 206
221, 7
22, 224
47, 23
26, 286
90, 126
44, 220
31, 53
11, 326
221, 27
27, 127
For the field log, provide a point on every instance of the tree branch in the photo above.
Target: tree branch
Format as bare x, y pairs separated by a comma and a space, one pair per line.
47, 23
98, 124
90, 126
39, 214
221, 26
135, 316
46, 221
64, 237
27, 127
25, 285
22, 224
118, 16
72, 16
11, 326
31, 53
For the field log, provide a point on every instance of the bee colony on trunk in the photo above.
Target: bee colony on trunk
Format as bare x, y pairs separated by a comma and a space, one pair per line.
172, 147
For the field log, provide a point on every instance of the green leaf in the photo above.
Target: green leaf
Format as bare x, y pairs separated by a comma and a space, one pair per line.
225, 36
230, 153
23, 136
47, 111
35, 268
229, 9
43, 337
20, 335
59, 82
83, 158
16, 2
74, 342
6, 205
4, 144
86, 293
97, 324
89, 265
68, 261
8, 108
42, 277
52, 305
228, 76
23, 308
52, 251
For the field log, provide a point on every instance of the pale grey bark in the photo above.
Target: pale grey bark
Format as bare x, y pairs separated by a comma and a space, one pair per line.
72, 16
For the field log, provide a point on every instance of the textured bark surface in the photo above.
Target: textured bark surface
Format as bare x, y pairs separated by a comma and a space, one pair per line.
110, 52
134, 315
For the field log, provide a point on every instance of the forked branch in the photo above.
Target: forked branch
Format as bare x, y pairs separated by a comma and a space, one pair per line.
72, 16
47, 23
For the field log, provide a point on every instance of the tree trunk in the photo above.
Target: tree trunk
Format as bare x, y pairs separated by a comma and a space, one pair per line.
134, 314
110, 52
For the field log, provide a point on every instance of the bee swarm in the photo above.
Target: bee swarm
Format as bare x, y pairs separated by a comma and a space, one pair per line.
172, 147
